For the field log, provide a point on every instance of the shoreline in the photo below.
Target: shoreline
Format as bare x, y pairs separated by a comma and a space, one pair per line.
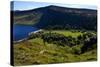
27, 37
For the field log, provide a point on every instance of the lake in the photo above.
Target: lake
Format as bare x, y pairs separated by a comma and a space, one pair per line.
22, 31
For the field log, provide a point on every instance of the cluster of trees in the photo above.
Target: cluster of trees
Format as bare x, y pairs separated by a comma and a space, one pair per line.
87, 41
35, 35
55, 38
62, 27
90, 42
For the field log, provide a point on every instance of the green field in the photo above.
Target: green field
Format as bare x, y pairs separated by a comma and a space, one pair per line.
34, 51
72, 33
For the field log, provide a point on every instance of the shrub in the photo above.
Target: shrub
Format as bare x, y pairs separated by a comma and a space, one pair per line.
76, 49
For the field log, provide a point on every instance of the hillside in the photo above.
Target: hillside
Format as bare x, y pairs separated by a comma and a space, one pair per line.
51, 16
54, 49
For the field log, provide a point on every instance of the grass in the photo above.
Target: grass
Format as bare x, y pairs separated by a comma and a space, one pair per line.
66, 32
35, 52
29, 19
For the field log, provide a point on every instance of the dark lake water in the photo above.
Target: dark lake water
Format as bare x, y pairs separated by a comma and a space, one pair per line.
22, 31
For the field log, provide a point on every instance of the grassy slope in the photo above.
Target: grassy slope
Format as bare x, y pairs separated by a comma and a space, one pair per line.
35, 52
29, 19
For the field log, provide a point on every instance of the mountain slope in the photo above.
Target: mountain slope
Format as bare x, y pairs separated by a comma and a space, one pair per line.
61, 16
76, 18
